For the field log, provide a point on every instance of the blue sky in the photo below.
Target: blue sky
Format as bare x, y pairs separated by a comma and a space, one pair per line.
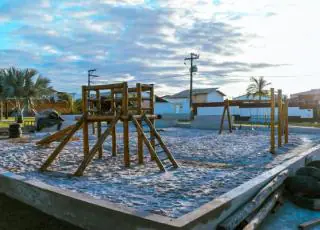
147, 40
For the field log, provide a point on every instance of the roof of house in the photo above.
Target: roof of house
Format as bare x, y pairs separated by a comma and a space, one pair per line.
160, 99
310, 92
186, 93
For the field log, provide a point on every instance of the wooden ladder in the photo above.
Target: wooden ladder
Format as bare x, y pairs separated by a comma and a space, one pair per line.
162, 162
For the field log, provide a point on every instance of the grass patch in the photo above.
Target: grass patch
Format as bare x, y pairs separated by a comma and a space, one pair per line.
10, 120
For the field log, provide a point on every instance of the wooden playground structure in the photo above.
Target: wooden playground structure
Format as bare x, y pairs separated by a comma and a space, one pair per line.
282, 122
122, 104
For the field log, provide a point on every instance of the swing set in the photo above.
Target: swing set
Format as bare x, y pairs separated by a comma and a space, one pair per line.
282, 121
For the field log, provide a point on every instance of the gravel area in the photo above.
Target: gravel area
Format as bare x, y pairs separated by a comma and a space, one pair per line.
210, 165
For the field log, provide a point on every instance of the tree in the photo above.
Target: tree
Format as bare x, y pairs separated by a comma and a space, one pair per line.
23, 84
257, 87
66, 97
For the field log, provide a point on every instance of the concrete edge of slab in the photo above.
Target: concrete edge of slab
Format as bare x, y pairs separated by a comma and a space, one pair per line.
90, 213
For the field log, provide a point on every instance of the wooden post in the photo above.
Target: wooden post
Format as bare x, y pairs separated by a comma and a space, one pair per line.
125, 125
139, 110
222, 118
280, 131
229, 116
7, 110
272, 128
99, 122
286, 129
152, 98
114, 130
85, 128
1, 110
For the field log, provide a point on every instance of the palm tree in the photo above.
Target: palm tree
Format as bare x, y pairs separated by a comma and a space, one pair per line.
24, 85
257, 87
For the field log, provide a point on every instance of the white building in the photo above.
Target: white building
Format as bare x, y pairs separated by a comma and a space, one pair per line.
181, 102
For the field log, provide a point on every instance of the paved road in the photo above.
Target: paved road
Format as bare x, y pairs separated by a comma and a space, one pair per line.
15, 215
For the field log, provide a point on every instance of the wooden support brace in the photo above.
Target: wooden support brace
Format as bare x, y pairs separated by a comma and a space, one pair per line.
229, 116
61, 146
95, 148
222, 119
56, 136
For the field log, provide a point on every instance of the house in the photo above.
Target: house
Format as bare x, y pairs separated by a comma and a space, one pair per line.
307, 102
181, 100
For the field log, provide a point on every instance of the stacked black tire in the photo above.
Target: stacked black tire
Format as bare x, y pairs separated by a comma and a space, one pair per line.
304, 187
15, 130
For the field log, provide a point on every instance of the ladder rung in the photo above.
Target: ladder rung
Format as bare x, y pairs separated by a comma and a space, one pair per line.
164, 159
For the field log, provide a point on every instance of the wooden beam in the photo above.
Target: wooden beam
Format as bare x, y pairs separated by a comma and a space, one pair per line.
85, 121
126, 153
149, 146
280, 131
139, 110
264, 211
309, 224
114, 129
55, 153
251, 206
56, 136
104, 87
95, 148
272, 125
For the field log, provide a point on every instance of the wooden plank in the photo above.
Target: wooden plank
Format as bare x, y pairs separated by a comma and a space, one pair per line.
99, 122
87, 159
162, 144
104, 87
114, 130
149, 146
242, 213
56, 136
272, 125
85, 122
56, 152
309, 224
264, 211
139, 110
280, 118
126, 153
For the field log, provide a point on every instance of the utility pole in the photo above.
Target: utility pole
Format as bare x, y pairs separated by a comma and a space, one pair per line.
193, 68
